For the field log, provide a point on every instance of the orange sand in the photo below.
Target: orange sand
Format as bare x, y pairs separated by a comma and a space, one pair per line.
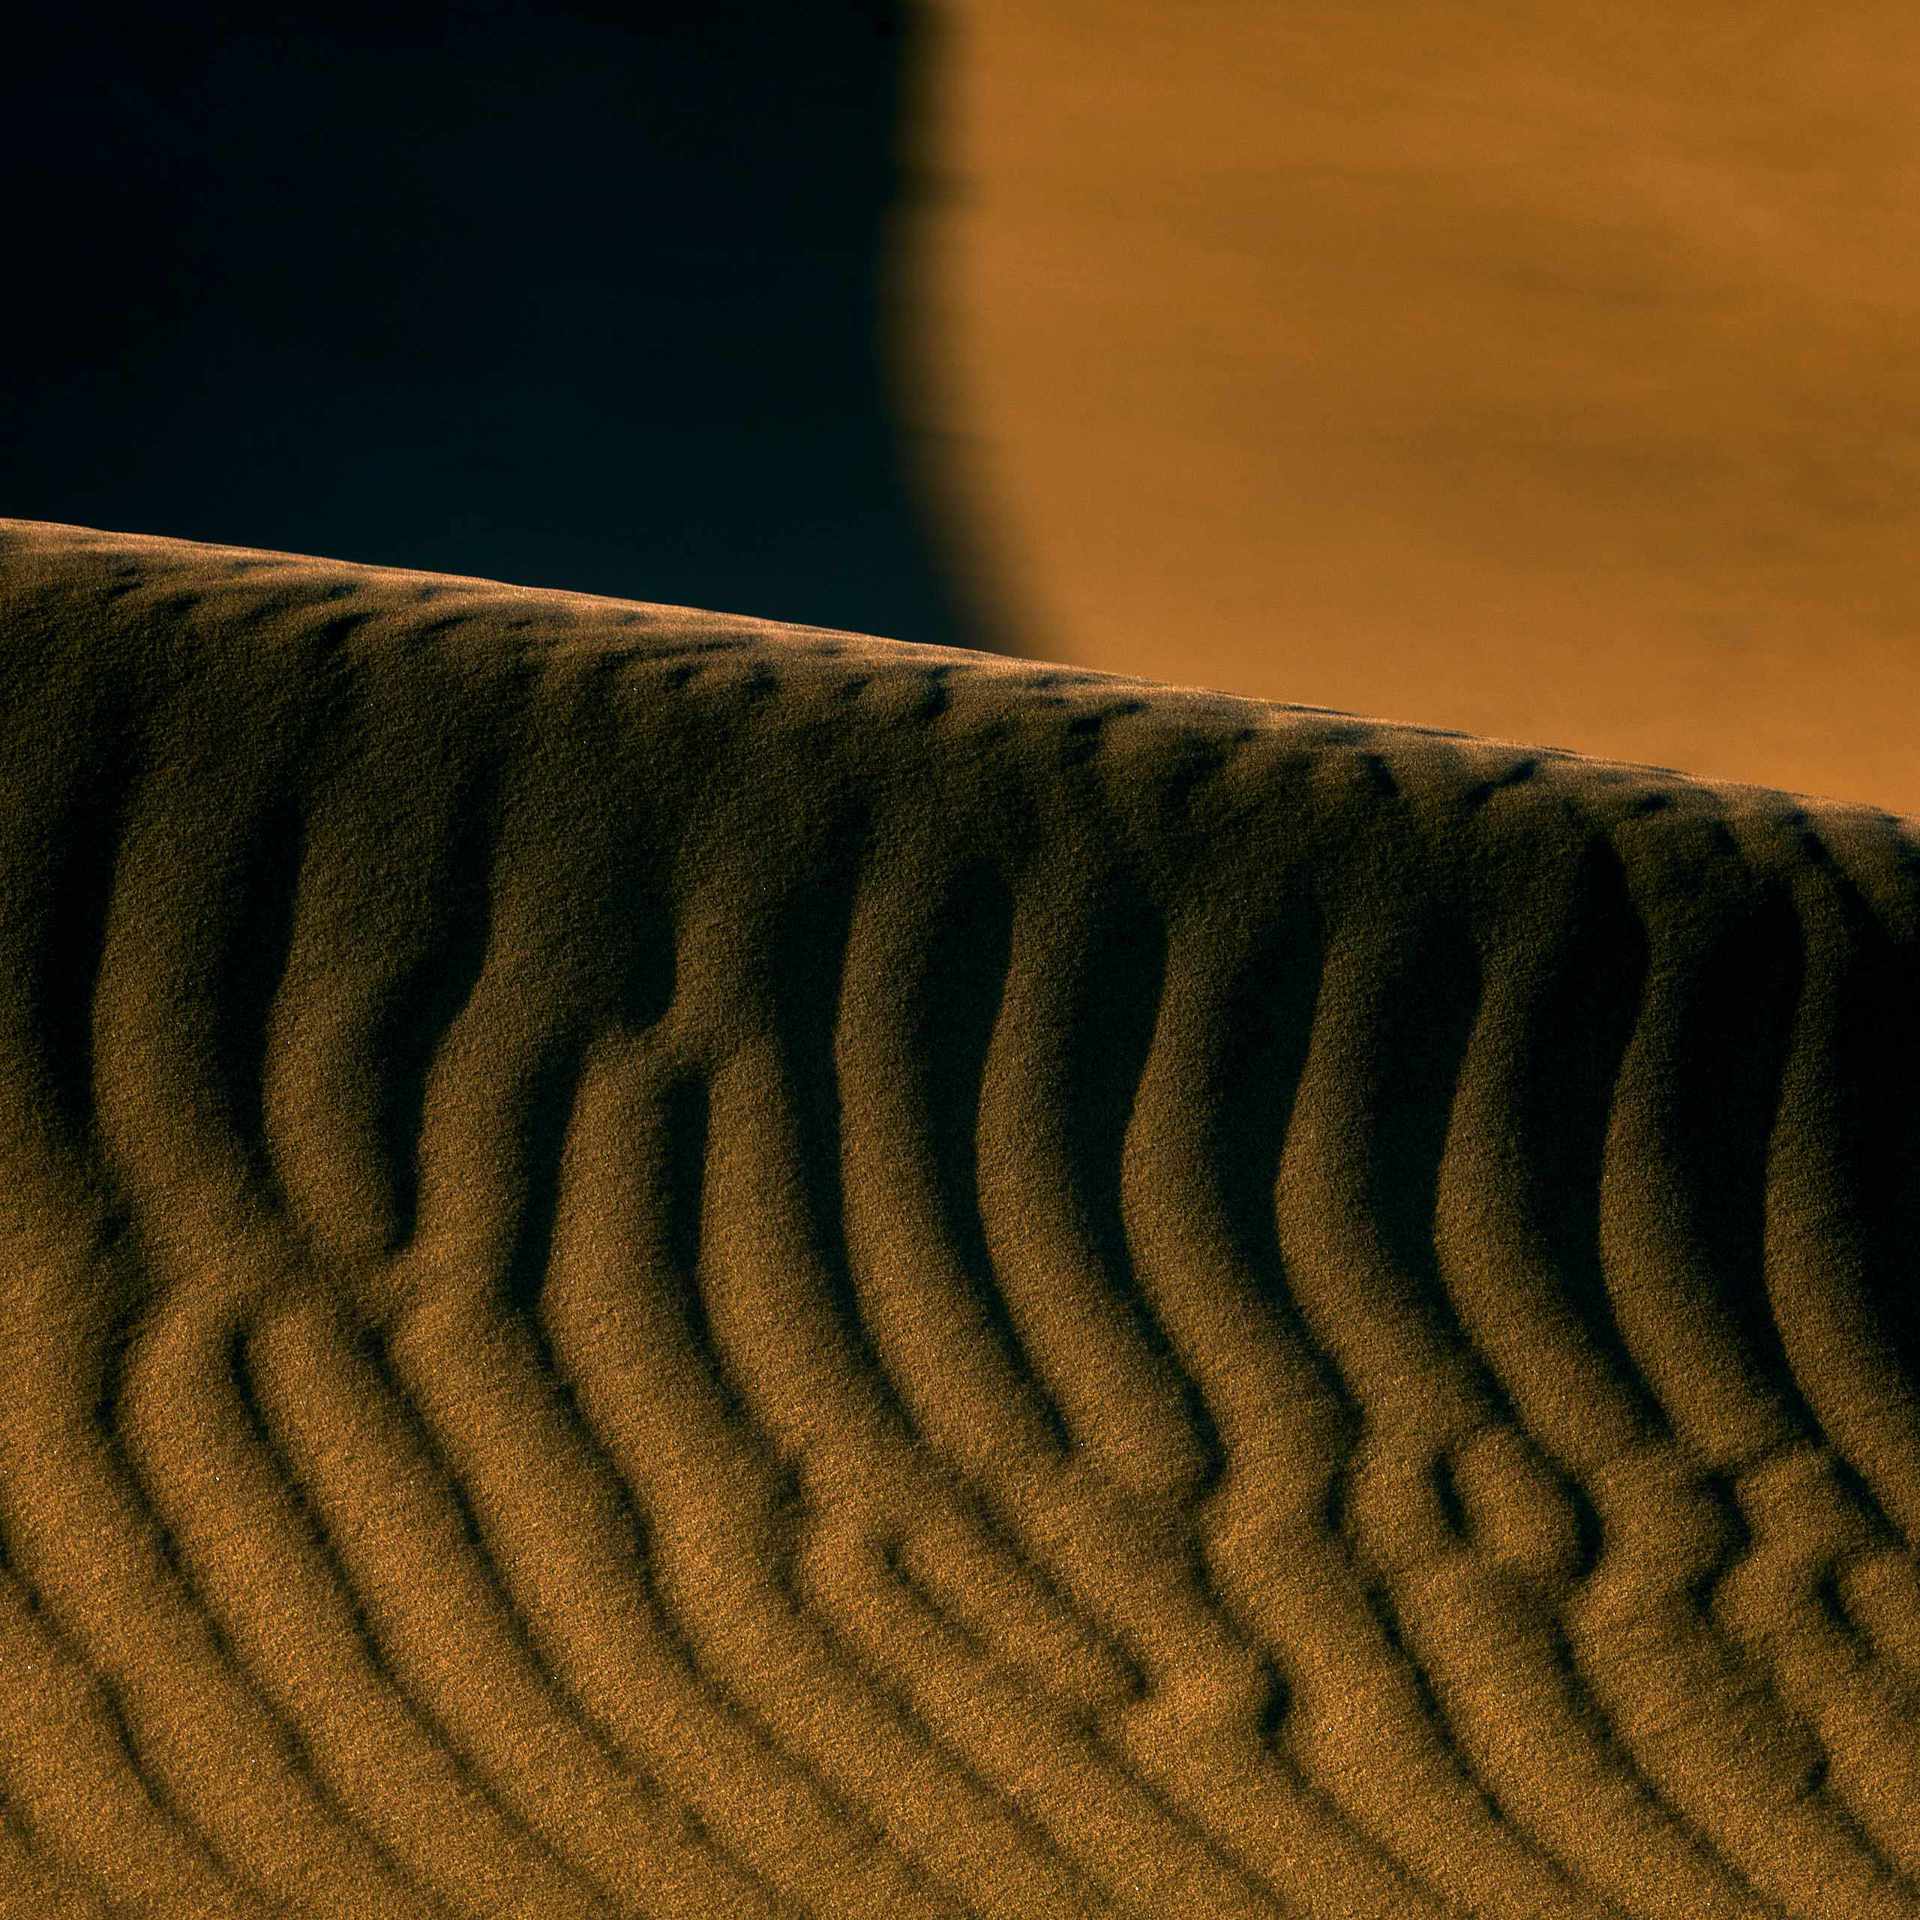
657, 1265
1541, 369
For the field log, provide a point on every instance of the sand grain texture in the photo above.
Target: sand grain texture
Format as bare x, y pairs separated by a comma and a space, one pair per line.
657, 1265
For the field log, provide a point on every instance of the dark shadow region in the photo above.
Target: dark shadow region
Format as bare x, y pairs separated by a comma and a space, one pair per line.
583, 296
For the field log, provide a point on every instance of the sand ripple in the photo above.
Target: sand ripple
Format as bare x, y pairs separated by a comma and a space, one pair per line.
656, 1265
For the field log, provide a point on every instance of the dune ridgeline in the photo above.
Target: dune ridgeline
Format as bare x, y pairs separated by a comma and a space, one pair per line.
657, 1265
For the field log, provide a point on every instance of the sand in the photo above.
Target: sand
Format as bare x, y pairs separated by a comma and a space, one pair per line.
659, 1265
1536, 367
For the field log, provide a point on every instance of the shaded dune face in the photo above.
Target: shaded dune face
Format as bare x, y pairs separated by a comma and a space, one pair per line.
657, 1265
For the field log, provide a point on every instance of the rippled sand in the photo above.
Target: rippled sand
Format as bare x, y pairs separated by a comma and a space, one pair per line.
658, 1265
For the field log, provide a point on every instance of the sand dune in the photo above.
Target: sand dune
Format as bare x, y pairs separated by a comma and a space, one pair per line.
657, 1265
1541, 370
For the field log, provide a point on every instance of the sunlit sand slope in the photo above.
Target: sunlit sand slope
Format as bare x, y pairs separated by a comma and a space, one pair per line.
661, 1266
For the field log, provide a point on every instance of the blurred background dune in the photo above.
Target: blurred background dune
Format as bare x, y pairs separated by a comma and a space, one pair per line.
1539, 370
1542, 370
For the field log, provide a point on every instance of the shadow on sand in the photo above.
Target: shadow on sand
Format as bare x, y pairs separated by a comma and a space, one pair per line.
522, 291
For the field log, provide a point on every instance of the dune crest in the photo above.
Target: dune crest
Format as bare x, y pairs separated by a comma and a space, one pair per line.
660, 1265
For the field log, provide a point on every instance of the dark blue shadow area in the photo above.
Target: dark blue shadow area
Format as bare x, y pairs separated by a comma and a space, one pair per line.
588, 296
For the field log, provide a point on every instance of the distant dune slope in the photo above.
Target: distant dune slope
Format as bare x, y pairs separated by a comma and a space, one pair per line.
662, 1266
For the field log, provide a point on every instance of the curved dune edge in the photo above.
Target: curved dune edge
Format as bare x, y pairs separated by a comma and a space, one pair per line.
662, 1265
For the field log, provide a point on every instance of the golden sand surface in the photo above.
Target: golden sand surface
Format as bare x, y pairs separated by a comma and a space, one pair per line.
1538, 367
659, 1265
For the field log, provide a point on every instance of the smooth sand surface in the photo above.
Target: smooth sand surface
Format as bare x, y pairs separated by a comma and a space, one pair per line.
663, 1266
1539, 367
